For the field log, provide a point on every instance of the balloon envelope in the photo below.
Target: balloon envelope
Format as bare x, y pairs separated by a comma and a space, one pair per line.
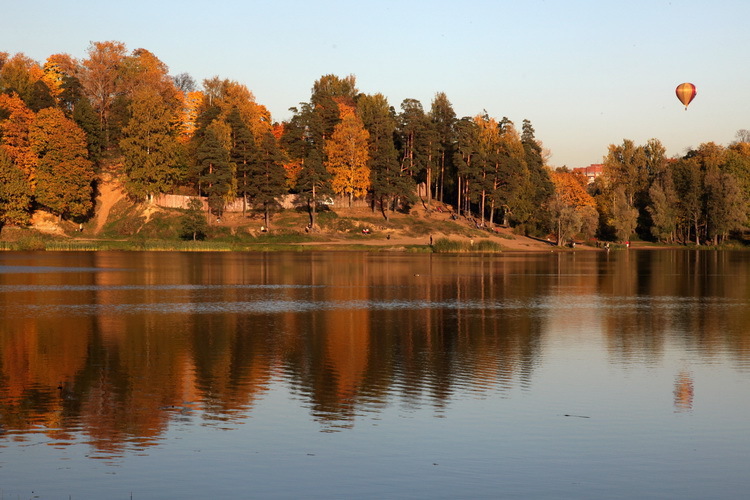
686, 93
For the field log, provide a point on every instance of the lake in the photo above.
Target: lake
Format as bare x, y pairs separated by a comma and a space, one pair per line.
623, 374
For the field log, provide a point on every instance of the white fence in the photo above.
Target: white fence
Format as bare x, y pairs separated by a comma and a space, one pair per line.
288, 201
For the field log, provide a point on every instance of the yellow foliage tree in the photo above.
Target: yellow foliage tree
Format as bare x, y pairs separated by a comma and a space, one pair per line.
347, 154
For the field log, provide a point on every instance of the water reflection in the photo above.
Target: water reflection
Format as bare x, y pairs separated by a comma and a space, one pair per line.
131, 343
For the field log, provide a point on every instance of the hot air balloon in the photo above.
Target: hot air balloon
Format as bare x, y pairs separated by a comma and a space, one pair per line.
686, 93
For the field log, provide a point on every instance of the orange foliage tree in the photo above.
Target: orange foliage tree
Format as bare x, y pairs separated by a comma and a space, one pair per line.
15, 133
572, 208
64, 172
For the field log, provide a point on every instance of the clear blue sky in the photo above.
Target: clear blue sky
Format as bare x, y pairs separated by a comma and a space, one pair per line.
586, 73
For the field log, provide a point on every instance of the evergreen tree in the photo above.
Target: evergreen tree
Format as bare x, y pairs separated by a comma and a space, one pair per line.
193, 222
150, 147
388, 184
329, 94
417, 140
268, 182
243, 153
465, 158
540, 187
443, 120
86, 118
213, 171
314, 183
40, 97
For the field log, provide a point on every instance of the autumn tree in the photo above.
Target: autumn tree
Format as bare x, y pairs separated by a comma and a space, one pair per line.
662, 207
571, 207
64, 172
15, 193
347, 158
100, 79
15, 122
624, 216
18, 74
152, 156
329, 94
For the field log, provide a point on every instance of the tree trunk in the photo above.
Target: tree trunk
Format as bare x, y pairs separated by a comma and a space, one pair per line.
458, 202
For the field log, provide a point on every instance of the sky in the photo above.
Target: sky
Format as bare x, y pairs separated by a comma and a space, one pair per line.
587, 74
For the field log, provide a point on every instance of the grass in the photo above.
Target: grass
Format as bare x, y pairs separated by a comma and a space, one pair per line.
445, 245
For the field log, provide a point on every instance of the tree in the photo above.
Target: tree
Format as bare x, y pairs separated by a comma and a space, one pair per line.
726, 206
570, 207
465, 157
185, 83
443, 120
14, 131
100, 79
150, 148
624, 216
86, 118
15, 193
314, 182
388, 183
64, 172
213, 170
540, 187
663, 209
417, 141
347, 158
267, 176
625, 166
19, 74
193, 222
329, 94
243, 154
688, 182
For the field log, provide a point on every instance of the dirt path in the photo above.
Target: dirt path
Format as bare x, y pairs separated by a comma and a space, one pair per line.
110, 192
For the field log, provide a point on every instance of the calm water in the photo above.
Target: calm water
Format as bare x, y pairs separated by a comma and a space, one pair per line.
355, 375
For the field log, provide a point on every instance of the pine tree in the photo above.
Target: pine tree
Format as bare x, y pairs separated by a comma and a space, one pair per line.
243, 153
389, 185
214, 174
314, 183
150, 147
266, 175
443, 119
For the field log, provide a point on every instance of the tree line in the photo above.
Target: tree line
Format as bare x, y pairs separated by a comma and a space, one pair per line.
65, 120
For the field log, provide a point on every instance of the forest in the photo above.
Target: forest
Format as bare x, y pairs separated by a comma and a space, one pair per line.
65, 121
